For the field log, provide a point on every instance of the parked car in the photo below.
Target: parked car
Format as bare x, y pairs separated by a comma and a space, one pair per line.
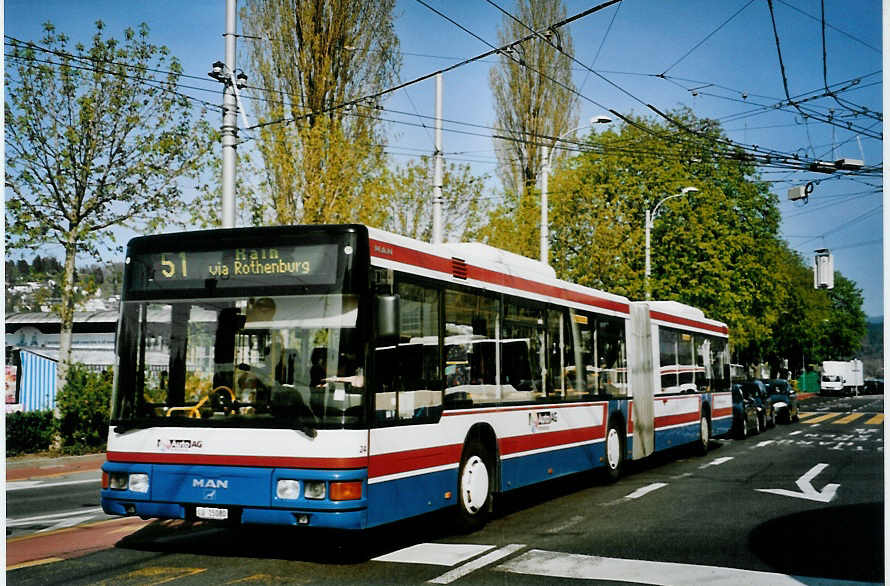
766, 414
873, 386
744, 414
784, 399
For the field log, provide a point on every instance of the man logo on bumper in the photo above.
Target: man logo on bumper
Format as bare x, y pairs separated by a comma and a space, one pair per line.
209, 483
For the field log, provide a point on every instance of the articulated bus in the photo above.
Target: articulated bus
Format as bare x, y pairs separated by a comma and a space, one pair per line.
345, 377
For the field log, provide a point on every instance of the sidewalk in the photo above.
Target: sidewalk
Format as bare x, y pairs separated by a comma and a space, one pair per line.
27, 468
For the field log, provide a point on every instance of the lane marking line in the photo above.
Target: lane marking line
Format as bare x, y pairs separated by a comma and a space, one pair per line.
26, 484
439, 554
552, 564
34, 563
570, 523
486, 560
645, 490
54, 516
716, 462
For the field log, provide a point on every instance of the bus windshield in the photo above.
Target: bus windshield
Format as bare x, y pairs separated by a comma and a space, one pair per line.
283, 362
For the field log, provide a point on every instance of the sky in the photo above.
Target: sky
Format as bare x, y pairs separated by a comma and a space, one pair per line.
718, 58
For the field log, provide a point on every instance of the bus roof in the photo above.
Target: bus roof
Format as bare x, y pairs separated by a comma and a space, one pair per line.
481, 265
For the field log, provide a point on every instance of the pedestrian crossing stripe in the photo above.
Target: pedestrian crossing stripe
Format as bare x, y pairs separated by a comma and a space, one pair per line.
813, 417
849, 418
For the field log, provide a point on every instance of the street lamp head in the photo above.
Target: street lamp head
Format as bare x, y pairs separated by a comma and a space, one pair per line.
600, 119
686, 190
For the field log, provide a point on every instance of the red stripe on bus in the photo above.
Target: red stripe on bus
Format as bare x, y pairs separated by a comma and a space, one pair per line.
721, 412
430, 261
527, 408
537, 441
410, 460
666, 420
230, 460
657, 315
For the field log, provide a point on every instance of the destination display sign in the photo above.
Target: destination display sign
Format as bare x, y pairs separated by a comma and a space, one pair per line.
314, 264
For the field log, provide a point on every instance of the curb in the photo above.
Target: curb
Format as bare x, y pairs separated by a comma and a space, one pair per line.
43, 467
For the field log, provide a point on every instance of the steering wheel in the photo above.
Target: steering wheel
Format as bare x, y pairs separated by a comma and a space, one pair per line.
222, 398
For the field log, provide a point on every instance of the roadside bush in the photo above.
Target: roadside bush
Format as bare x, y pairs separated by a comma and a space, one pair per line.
84, 405
30, 432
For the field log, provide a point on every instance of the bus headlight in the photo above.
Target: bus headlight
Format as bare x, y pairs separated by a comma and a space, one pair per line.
287, 489
139, 482
118, 480
315, 489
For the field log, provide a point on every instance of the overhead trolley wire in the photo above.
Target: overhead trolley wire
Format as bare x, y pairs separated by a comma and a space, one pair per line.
378, 94
855, 108
827, 120
157, 84
708, 36
816, 18
765, 154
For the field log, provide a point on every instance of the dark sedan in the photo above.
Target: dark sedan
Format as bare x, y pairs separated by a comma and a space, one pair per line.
745, 421
756, 390
784, 399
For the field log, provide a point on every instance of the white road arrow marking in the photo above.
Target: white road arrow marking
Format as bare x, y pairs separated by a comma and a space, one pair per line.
807, 491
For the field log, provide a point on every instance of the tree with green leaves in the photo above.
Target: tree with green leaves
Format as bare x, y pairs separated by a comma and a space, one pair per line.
409, 193
97, 138
323, 163
846, 326
714, 249
533, 99
797, 334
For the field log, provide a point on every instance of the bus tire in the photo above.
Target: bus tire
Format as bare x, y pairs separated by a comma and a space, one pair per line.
474, 494
614, 452
704, 435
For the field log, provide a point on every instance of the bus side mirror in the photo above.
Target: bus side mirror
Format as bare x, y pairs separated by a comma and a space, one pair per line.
388, 318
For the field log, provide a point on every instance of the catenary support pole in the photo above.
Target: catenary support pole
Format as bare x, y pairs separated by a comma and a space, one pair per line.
229, 125
437, 173
545, 230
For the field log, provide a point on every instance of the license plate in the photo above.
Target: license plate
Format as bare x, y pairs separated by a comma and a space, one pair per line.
212, 513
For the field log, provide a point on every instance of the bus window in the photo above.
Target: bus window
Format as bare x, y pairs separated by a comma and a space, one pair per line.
667, 342
408, 373
470, 356
522, 353
686, 362
610, 354
556, 387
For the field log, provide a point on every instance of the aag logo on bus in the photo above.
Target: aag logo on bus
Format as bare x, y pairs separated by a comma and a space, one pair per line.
166, 445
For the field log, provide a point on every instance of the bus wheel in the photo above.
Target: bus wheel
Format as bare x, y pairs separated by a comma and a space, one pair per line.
473, 487
614, 453
704, 436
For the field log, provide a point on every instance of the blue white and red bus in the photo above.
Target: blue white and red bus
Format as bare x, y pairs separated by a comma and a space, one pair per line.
346, 377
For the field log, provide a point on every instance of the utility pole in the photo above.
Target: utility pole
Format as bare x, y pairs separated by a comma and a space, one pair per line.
545, 230
229, 125
437, 169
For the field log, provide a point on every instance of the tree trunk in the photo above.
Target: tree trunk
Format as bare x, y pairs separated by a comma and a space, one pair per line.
66, 318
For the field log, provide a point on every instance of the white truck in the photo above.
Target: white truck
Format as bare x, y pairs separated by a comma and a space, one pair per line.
841, 377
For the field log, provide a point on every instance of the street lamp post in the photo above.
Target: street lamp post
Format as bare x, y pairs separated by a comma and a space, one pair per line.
650, 216
546, 159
